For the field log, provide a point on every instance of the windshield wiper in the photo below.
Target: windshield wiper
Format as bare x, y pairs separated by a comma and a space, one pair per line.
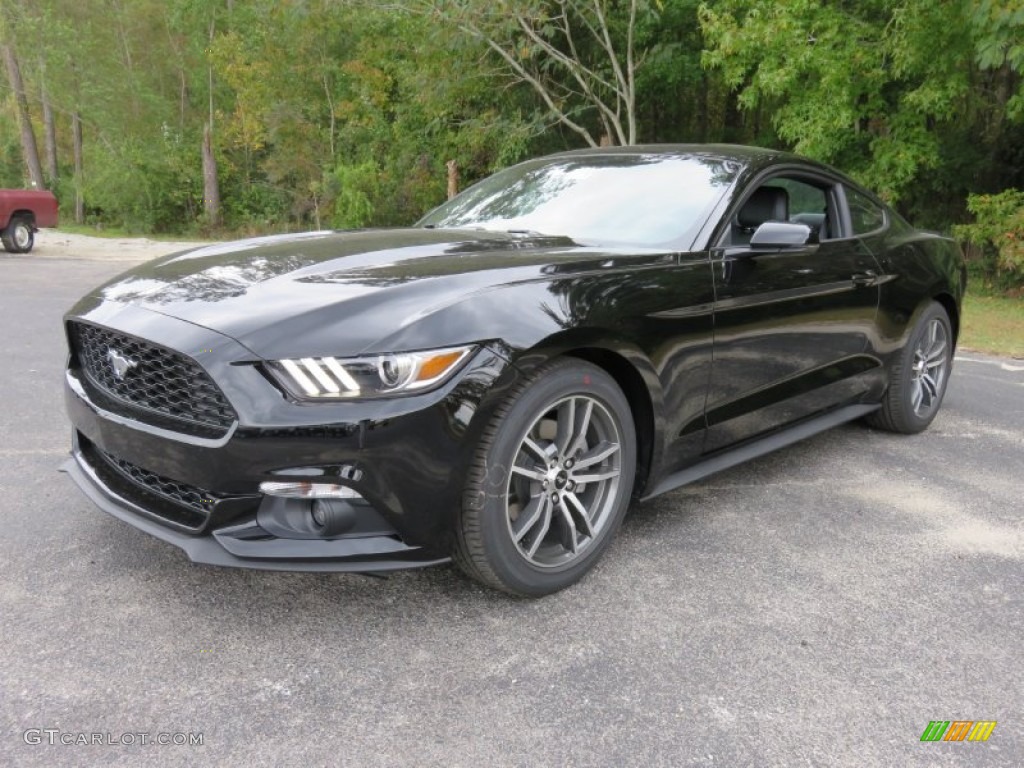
530, 232
525, 232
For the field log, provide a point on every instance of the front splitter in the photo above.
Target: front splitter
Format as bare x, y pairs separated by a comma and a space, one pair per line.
331, 556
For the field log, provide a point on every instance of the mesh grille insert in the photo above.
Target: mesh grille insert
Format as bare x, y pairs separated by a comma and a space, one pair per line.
152, 378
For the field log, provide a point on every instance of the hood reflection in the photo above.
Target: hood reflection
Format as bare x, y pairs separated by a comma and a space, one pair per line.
215, 283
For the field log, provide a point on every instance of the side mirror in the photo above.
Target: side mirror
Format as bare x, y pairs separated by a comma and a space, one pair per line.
783, 234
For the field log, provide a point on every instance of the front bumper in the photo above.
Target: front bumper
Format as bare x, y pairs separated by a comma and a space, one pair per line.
407, 458
247, 544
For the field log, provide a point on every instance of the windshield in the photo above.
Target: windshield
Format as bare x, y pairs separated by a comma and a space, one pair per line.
641, 199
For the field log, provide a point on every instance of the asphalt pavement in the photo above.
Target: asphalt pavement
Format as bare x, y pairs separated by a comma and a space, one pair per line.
817, 607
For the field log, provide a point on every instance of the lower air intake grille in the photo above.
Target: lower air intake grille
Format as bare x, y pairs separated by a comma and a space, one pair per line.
179, 503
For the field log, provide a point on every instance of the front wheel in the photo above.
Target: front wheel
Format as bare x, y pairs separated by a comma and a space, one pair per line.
918, 375
550, 483
19, 237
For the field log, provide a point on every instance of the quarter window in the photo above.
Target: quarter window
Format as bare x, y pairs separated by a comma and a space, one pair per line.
864, 214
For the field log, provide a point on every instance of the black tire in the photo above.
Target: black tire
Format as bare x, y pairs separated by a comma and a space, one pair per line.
19, 237
497, 500
901, 411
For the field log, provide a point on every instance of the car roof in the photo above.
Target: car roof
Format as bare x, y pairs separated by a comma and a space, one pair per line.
724, 151
752, 157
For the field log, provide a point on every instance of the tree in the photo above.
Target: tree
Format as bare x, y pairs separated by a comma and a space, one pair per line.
579, 57
896, 91
79, 179
28, 137
344, 112
211, 187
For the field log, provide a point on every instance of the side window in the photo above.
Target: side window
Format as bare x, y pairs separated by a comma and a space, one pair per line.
864, 214
808, 204
803, 198
799, 199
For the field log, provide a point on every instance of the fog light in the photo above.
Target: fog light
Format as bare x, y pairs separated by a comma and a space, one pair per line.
308, 490
332, 517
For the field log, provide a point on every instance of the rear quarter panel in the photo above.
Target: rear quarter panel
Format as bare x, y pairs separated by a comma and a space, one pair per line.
919, 267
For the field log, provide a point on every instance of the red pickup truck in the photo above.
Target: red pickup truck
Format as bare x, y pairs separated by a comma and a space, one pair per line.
22, 212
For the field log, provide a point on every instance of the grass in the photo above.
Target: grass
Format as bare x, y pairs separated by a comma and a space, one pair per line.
993, 324
119, 232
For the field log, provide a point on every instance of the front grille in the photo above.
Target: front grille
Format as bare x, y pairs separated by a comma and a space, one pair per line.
184, 505
160, 386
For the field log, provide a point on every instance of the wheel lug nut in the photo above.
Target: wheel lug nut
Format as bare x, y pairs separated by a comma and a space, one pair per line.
554, 497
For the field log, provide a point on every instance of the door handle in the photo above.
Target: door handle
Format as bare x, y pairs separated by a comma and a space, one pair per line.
864, 279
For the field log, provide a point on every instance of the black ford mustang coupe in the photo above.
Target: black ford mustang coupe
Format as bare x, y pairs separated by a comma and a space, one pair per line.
496, 383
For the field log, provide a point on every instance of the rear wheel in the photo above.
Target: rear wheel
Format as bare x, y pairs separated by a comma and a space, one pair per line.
918, 376
551, 482
19, 236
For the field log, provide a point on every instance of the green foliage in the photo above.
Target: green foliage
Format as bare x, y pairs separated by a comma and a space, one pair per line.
303, 99
998, 230
578, 58
12, 167
354, 188
344, 113
141, 188
998, 26
878, 88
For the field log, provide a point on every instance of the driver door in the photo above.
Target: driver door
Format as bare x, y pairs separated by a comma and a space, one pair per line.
791, 325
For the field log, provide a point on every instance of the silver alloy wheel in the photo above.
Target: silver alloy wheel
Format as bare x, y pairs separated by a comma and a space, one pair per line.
22, 235
931, 365
564, 481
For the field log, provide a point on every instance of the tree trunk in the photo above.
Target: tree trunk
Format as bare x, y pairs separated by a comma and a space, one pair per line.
50, 139
211, 190
76, 133
702, 122
453, 178
28, 137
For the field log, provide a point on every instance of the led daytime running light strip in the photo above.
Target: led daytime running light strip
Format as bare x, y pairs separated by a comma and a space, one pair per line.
307, 384
327, 376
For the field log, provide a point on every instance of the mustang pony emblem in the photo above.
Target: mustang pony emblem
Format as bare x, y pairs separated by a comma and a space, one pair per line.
120, 363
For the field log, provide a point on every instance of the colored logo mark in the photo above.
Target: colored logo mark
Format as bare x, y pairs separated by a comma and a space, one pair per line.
958, 730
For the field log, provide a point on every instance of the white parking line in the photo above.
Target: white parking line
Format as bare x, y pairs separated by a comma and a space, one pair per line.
1000, 363
9, 453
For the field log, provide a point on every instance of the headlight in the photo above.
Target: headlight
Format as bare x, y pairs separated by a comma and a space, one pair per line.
333, 378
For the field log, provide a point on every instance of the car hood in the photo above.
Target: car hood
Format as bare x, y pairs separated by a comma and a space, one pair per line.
284, 292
